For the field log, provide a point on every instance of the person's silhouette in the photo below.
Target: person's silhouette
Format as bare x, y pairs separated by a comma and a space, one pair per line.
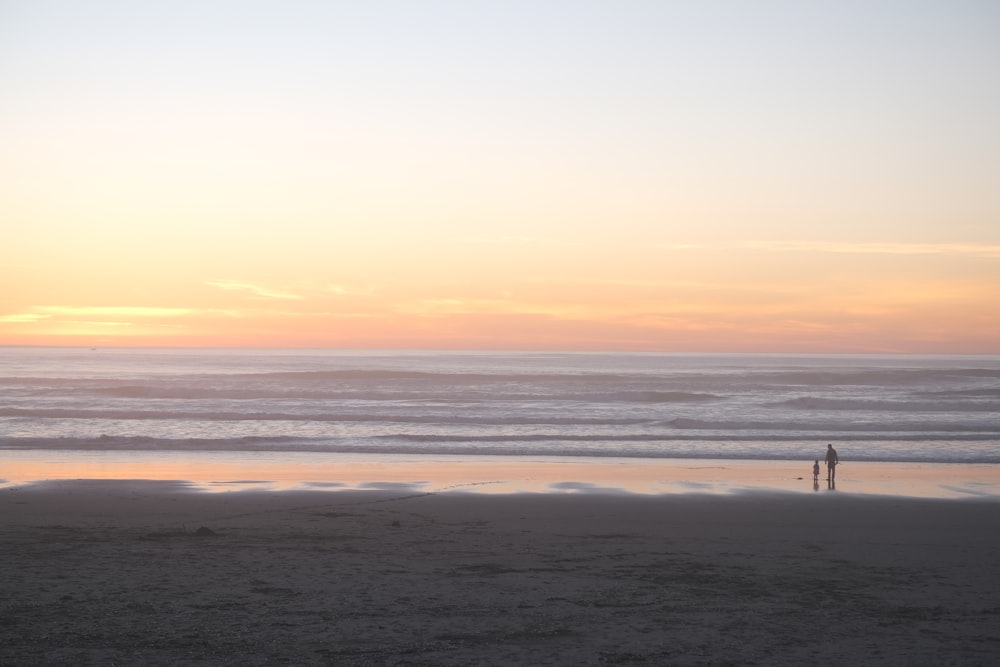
831, 463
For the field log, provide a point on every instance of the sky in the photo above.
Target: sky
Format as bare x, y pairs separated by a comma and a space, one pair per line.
636, 175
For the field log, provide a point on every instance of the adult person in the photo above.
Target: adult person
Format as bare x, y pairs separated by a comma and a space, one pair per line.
831, 463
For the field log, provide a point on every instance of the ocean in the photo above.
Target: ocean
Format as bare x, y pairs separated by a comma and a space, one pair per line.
879, 408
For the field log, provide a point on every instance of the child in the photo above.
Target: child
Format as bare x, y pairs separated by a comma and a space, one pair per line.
815, 470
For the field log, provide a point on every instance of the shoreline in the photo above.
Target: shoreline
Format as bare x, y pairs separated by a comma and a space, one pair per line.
494, 475
153, 572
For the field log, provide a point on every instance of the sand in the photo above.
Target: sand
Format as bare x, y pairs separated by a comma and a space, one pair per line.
230, 471
119, 572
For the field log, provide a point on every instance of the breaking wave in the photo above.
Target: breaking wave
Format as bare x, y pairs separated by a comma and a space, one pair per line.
900, 448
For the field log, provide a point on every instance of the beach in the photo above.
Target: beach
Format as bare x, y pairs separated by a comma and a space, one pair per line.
300, 471
160, 572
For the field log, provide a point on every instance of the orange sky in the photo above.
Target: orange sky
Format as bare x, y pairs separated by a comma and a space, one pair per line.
579, 176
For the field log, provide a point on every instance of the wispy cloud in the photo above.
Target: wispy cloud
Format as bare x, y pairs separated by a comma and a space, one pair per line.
956, 249
23, 317
343, 290
461, 307
94, 323
981, 250
502, 240
256, 290
520, 241
467, 306
111, 316
112, 311
105, 317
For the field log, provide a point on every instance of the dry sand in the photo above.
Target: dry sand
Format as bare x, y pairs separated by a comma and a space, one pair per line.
116, 573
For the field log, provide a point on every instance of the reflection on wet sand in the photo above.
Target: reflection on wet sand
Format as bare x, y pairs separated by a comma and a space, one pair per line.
226, 471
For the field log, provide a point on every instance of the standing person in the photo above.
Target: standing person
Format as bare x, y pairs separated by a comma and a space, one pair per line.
831, 463
815, 470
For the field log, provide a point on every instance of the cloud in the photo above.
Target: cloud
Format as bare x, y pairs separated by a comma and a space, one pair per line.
952, 249
23, 317
341, 290
502, 240
519, 241
92, 323
256, 290
101, 316
113, 311
682, 246
461, 307
980, 250
87, 320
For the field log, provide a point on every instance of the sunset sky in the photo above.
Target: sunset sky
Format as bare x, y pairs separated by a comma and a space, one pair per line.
727, 175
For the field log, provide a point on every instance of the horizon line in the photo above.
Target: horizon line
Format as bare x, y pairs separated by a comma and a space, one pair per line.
494, 350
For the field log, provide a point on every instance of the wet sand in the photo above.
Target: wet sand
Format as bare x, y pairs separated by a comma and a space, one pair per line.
231, 471
120, 572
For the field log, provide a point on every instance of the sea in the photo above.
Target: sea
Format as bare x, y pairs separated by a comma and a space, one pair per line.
881, 408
